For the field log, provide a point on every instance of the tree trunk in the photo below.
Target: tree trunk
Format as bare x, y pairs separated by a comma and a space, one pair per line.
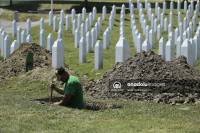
11, 3
86, 3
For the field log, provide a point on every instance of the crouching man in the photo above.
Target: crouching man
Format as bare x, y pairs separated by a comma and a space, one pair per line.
73, 93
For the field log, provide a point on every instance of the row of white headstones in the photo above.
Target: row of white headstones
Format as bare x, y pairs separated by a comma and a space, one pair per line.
80, 26
180, 41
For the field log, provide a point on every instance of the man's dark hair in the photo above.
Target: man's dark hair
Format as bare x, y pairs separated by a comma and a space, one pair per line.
60, 71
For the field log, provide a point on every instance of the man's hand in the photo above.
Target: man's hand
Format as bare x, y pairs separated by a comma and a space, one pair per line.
57, 103
52, 86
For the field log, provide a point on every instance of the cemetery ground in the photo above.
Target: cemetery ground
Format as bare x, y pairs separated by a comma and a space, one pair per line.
18, 113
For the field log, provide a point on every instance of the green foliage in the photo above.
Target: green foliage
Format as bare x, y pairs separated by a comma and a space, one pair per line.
1, 58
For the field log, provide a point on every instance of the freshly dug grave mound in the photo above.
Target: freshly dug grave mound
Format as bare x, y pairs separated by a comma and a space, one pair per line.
170, 82
15, 64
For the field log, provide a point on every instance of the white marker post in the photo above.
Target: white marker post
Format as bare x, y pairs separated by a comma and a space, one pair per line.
58, 54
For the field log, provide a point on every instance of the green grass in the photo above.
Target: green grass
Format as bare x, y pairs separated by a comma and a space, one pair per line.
19, 114
1, 58
8, 15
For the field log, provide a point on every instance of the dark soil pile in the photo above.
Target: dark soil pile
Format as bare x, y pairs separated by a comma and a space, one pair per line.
181, 81
15, 64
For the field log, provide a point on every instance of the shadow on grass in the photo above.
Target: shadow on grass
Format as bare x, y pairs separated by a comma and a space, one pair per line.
24, 6
90, 105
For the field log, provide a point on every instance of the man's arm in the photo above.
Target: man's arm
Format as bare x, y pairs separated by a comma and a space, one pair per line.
58, 90
65, 100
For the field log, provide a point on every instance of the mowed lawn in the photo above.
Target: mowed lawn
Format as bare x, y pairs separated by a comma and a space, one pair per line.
18, 113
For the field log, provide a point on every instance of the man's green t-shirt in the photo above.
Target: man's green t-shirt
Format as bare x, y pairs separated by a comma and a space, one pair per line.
73, 87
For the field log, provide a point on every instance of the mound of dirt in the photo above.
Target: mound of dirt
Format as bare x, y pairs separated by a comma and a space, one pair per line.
15, 64
148, 77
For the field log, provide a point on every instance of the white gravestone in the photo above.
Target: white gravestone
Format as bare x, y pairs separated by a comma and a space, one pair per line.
90, 19
194, 25
146, 45
50, 42
58, 54
165, 24
171, 37
178, 46
83, 32
196, 42
186, 50
179, 17
158, 13
88, 42
14, 28
42, 38
169, 51
122, 51
152, 21
158, 32
79, 20
94, 12
3, 35
50, 18
139, 43
171, 6
13, 46
61, 28
23, 36
105, 39
28, 26
82, 50
83, 13
164, 7
74, 24
176, 34
93, 34
62, 16
178, 5
162, 48
171, 18
6, 47
67, 23
29, 38
98, 57
191, 28
185, 5
161, 20
184, 35
156, 7
151, 42
41, 23
180, 28
87, 26
77, 37
73, 14
19, 36
169, 28
55, 24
